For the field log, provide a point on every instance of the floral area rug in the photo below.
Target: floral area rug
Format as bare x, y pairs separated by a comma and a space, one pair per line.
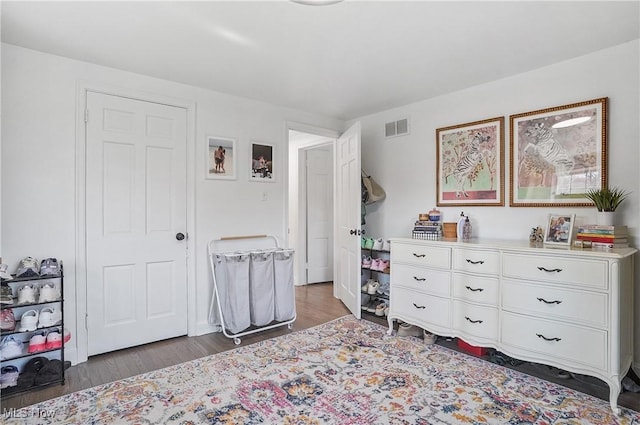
343, 372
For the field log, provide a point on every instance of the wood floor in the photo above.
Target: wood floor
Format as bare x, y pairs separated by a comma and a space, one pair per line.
315, 305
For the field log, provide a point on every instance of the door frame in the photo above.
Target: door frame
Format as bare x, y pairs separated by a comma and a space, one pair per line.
299, 239
82, 87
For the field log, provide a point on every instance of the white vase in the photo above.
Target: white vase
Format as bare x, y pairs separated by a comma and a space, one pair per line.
605, 218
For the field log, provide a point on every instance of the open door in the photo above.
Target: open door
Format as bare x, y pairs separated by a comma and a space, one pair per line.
348, 227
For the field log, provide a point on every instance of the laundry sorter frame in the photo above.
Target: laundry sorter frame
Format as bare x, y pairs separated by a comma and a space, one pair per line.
236, 245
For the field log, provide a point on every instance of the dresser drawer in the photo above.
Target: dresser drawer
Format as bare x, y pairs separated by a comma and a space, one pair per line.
475, 320
544, 268
436, 282
477, 289
569, 344
430, 256
589, 308
423, 308
476, 261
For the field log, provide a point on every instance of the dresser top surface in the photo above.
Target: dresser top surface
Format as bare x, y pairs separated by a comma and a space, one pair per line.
519, 245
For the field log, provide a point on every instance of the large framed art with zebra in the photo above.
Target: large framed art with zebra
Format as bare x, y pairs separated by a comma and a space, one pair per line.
558, 154
470, 163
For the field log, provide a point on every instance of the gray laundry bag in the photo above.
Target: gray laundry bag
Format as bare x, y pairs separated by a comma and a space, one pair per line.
232, 281
261, 293
285, 302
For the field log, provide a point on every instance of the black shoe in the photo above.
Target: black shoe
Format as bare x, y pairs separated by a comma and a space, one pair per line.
50, 372
30, 370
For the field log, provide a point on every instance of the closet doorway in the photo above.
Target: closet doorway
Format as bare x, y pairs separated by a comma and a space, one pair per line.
311, 169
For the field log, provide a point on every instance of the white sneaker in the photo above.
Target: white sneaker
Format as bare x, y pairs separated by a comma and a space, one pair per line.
405, 329
10, 347
381, 308
373, 287
28, 321
49, 293
386, 246
377, 244
27, 294
49, 316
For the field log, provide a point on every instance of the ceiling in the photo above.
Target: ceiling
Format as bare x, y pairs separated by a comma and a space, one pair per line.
345, 60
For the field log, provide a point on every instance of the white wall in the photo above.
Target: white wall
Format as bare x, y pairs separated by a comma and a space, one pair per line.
38, 163
406, 166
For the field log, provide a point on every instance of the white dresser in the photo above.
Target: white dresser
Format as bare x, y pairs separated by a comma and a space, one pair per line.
568, 308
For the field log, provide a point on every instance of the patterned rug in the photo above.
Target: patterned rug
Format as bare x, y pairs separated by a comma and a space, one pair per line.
342, 372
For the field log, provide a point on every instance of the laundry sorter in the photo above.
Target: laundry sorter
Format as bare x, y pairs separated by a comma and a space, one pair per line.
252, 285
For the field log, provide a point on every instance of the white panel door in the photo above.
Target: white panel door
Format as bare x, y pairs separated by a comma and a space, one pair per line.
348, 227
319, 181
135, 208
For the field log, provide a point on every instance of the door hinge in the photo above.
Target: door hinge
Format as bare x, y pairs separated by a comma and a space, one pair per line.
86, 115
86, 321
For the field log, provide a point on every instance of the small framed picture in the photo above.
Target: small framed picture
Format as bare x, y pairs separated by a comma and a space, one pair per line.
262, 166
221, 158
559, 230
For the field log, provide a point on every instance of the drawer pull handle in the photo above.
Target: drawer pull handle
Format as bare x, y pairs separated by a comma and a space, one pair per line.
474, 289
418, 306
542, 300
419, 255
550, 270
472, 321
420, 279
475, 262
548, 339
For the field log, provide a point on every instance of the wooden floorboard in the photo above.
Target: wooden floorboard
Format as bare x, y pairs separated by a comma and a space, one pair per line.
315, 305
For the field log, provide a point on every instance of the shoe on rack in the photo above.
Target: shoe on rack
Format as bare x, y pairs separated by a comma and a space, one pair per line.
368, 243
37, 343
383, 289
49, 267
10, 347
49, 316
30, 370
371, 307
374, 264
366, 262
9, 376
7, 320
51, 372
66, 336
386, 245
48, 293
377, 244
373, 287
27, 294
29, 321
4, 272
383, 265
364, 301
381, 307
363, 242
6, 295
405, 329
28, 267
54, 340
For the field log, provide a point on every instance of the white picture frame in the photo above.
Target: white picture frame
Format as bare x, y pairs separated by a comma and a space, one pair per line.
261, 162
221, 158
559, 230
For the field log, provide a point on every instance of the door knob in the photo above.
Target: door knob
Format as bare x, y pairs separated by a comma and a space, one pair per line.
179, 236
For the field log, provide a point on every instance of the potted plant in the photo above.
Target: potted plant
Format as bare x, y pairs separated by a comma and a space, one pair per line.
606, 200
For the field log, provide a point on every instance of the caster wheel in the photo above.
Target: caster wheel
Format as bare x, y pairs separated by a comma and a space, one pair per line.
236, 341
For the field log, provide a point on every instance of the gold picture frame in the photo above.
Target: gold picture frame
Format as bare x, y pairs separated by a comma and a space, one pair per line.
558, 154
470, 163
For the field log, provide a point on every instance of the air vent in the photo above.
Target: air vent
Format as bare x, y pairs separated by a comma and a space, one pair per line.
396, 128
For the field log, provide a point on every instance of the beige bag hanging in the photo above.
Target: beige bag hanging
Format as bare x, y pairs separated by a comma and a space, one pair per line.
374, 190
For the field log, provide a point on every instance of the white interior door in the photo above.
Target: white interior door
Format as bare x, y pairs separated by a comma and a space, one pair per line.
135, 208
348, 227
319, 194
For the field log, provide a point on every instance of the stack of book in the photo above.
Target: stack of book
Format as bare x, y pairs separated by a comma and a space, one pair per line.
430, 230
599, 236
